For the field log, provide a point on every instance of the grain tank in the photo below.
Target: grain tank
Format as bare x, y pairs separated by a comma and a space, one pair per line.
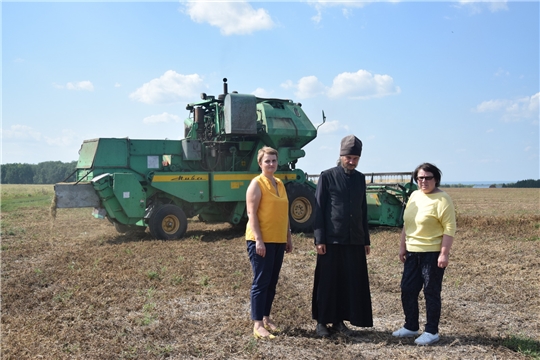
159, 184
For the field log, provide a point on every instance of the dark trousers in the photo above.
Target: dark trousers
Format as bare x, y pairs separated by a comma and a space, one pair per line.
421, 270
265, 277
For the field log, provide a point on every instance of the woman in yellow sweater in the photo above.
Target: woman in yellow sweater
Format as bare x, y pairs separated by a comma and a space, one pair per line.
268, 238
426, 239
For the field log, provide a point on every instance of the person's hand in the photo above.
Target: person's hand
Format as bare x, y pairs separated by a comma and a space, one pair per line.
442, 262
288, 246
402, 254
368, 249
321, 249
260, 248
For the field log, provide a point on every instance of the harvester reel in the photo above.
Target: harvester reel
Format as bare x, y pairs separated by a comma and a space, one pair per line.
169, 222
301, 207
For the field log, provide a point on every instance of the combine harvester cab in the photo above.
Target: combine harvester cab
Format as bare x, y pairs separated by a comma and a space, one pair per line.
159, 184
387, 194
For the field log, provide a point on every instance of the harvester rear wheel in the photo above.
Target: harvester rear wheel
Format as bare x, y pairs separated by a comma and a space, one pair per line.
169, 222
301, 207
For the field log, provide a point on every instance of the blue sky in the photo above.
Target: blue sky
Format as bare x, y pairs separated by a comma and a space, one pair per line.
453, 83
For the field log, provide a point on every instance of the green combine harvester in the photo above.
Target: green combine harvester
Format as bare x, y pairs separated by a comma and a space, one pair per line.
159, 184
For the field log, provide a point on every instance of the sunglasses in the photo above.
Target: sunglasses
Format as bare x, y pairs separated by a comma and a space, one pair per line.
424, 178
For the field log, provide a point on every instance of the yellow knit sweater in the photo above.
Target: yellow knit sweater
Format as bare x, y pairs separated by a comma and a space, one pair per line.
426, 219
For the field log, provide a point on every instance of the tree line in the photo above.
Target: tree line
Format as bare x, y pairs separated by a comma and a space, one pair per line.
52, 172
530, 183
48, 172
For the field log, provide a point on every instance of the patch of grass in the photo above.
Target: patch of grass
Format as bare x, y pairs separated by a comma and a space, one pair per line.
177, 280
205, 281
153, 275
129, 353
63, 296
251, 346
148, 308
70, 348
162, 351
523, 345
20, 196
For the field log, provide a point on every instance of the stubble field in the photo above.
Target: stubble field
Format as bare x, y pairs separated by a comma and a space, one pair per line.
72, 288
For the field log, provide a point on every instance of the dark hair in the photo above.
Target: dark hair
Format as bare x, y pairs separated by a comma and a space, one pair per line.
427, 167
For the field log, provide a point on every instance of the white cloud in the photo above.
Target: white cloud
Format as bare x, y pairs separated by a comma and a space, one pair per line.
169, 88
478, 6
231, 17
288, 85
346, 6
81, 85
308, 87
20, 133
163, 118
331, 127
66, 138
117, 85
502, 72
513, 110
362, 85
23, 133
490, 105
262, 93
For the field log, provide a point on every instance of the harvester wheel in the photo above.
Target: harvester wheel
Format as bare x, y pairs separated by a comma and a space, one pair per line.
301, 207
169, 222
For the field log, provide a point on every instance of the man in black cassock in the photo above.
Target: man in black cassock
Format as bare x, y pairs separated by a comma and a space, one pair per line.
341, 286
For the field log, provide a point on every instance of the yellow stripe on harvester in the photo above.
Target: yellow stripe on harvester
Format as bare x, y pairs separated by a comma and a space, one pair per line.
233, 177
248, 177
180, 177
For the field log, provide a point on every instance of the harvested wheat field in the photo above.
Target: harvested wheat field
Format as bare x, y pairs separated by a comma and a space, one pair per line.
73, 288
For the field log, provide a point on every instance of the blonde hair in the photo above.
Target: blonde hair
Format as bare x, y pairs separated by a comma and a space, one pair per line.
266, 150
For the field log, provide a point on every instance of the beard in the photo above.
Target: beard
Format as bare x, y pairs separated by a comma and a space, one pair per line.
348, 168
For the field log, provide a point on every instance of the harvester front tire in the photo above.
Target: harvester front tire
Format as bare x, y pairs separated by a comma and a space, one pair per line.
301, 208
169, 222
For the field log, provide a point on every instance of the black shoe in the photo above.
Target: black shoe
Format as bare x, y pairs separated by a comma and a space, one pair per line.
322, 331
340, 327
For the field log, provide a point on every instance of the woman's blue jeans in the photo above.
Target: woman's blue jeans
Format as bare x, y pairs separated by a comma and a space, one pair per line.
265, 277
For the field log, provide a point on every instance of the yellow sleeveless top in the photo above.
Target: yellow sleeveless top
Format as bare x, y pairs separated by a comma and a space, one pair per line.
273, 212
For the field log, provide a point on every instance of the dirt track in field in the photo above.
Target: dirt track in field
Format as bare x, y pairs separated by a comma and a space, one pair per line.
75, 289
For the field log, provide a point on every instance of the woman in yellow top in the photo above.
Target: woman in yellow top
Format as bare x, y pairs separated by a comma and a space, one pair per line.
268, 238
426, 239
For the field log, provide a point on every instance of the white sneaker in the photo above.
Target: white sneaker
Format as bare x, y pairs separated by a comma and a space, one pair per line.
427, 339
404, 333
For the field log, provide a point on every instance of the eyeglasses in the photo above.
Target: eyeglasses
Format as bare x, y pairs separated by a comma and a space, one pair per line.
426, 178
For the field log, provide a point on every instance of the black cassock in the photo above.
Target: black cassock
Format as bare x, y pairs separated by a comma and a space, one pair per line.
341, 286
